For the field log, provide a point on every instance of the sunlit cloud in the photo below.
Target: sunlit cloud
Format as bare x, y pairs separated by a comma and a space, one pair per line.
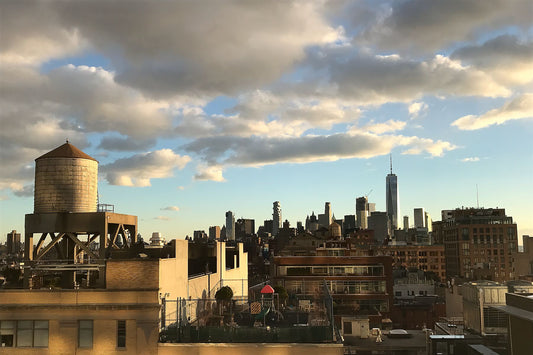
520, 107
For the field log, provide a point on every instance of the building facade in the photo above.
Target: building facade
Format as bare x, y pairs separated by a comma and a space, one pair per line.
422, 257
393, 199
479, 244
356, 283
230, 226
276, 218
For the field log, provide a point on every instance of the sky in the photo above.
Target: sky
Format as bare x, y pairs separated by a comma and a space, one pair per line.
194, 108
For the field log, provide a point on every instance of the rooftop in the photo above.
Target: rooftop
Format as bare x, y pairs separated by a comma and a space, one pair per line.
66, 150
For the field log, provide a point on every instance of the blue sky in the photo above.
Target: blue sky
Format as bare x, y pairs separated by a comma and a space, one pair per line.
196, 108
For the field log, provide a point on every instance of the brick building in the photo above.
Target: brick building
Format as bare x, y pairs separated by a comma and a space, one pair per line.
356, 283
422, 257
479, 244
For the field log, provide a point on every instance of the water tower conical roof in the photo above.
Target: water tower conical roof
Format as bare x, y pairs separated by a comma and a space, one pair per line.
66, 150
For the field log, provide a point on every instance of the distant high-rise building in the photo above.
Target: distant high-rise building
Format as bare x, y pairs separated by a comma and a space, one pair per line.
299, 227
393, 198
214, 232
362, 210
419, 215
428, 223
230, 226
244, 228
276, 218
13, 242
379, 223
325, 219
199, 235
405, 222
349, 223
311, 223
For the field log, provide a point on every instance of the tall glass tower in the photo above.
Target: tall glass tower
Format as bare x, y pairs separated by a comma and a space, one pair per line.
393, 198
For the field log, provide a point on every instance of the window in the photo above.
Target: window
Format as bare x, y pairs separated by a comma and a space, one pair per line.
347, 327
85, 334
121, 334
32, 333
7, 333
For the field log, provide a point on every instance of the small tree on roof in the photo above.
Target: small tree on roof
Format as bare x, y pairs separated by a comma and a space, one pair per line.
224, 296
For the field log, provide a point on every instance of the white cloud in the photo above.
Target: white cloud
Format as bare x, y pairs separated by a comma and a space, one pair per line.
380, 128
417, 108
139, 169
170, 208
470, 159
213, 173
520, 107
162, 218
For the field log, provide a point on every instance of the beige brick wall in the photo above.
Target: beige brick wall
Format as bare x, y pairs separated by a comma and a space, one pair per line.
65, 185
132, 274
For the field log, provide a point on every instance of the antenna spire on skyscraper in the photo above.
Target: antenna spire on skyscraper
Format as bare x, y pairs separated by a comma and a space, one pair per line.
390, 155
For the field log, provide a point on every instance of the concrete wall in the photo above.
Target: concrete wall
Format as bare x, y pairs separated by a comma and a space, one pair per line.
246, 349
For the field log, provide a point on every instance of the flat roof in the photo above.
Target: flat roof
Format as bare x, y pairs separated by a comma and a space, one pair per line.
516, 312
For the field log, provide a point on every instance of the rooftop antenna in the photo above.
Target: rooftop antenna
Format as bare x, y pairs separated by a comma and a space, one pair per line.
390, 155
477, 196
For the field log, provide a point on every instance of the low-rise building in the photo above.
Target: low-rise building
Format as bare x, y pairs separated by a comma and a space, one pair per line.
356, 283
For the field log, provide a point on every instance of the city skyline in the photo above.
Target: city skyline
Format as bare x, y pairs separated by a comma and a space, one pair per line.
199, 112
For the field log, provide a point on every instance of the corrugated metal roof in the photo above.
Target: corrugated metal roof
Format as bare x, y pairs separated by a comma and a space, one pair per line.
66, 150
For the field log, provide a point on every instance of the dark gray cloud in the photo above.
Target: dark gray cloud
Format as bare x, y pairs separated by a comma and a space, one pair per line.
372, 79
115, 143
26, 191
507, 58
427, 26
257, 151
166, 47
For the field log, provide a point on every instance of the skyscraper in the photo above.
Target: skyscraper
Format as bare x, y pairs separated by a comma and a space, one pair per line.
276, 218
230, 226
419, 215
393, 198
363, 210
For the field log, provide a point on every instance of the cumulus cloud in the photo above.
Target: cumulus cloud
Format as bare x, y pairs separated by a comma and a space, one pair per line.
32, 34
470, 159
125, 143
186, 47
26, 191
506, 58
170, 208
373, 80
382, 127
213, 173
139, 169
425, 26
258, 151
417, 108
520, 107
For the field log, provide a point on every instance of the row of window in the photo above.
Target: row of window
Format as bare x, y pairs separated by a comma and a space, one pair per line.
331, 270
35, 333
